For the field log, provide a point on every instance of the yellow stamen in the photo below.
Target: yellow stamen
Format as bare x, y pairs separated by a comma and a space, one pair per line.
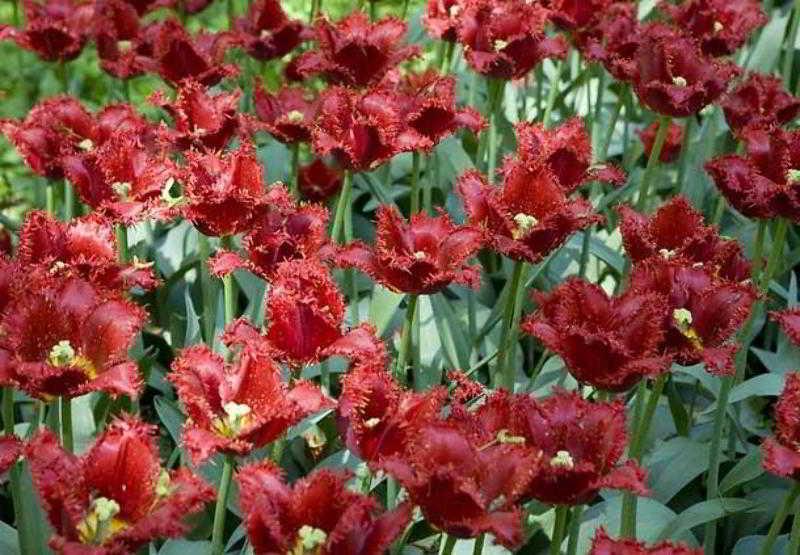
100, 523
525, 223
679, 81
563, 459
683, 321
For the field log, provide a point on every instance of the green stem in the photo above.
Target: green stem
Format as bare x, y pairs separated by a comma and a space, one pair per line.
794, 537
414, 203
231, 14
405, 338
293, 170
559, 529
683, 162
50, 198
8, 411
778, 240
325, 375
447, 544
612, 125
652, 163
278, 447
553, 92
574, 530
780, 518
477, 549
217, 539
65, 410
504, 372
497, 87
584, 260
342, 204
788, 55
228, 287
207, 286
122, 242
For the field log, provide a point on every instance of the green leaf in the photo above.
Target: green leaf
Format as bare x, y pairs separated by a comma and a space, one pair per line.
759, 386
8, 540
170, 416
34, 531
183, 547
766, 51
747, 469
383, 306
674, 464
453, 337
702, 512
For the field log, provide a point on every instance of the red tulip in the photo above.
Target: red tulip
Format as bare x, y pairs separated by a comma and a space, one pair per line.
287, 115
10, 451
602, 544
673, 77
267, 32
118, 36
780, 452
317, 514
572, 15
673, 143
355, 52
115, 498
676, 229
241, 406
422, 256
790, 323
55, 30
441, 19
760, 102
63, 336
720, 26
177, 55
319, 181
613, 40
506, 39
610, 343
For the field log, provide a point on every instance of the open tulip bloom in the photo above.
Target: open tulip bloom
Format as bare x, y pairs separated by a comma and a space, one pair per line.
314, 277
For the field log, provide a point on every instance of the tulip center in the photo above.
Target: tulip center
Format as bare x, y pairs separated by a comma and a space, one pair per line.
793, 175
237, 417
504, 436
100, 523
124, 45
295, 116
310, 541
163, 484
372, 422
524, 224
454, 10
666, 254
562, 459
420, 255
167, 196
718, 26
499, 44
683, 321
265, 33
679, 81
86, 144
63, 354
122, 188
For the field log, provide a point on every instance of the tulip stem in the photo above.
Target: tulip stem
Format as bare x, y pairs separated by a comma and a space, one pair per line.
342, 204
778, 240
122, 242
294, 187
50, 198
794, 537
559, 529
644, 418
405, 338
414, 202
228, 291
222, 506
477, 549
504, 373
206, 290
447, 544
65, 410
683, 162
574, 530
780, 518
652, 163
496, 89
553, 92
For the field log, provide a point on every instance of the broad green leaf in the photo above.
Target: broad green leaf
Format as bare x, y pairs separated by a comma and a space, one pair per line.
702, 512
748, 468
171, 416
185, 547
674, 464
33, 528
759, 386
452, 334
766, 51
383, 306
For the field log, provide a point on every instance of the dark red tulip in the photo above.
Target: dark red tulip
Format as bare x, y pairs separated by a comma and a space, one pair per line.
63, 336
201, 120
613, 40
676, 229
145, 6
603, 544
267, 32
610, 343
441, 19
287, 115
115, 498
305, 311
572, 15
506, 39
317, 514
117, 34
673, 143
764, 183
177, 55
705, 310
790, 323
319, 181
224, 192
239, 406
55, 30
780, 452
673, 77
355, 52
760, 102
10, 451
581, 444
720, 26
422, 256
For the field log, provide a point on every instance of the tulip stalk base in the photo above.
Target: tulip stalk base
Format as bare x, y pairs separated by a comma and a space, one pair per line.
504, 372
217, 537
652, 163
780, 518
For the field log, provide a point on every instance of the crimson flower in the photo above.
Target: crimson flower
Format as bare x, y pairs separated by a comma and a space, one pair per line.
441, 19
224, 192
55, 30
720, 26
123, 179
267, 32
201, 120
84, 246
764, 183
317, 514
241, 406
52, 128
62, 336
581, 443
780, 452
506, 39
762, 102
428, 101
355, 52
673, 77
10, 451
607, 342
282, 231
177, 55
362, 130
603, 544
305, 311
676, 229
145, 6
287, 115
790, 322
467, 475
319, 181
705, 310
673, 143
115, 498
117, 34
422, 256
377, 419
571, 15
613, 40
531, 213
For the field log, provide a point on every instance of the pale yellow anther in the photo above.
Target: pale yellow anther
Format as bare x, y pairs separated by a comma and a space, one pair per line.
504, 436
718, 26
563, 459
525, 222
121, 188
679, 81
499, 44
793, 175
666, 254
86, 144
420, 255
683, 318
124, 45
100, 523
61, 354
295, 116
372, 422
